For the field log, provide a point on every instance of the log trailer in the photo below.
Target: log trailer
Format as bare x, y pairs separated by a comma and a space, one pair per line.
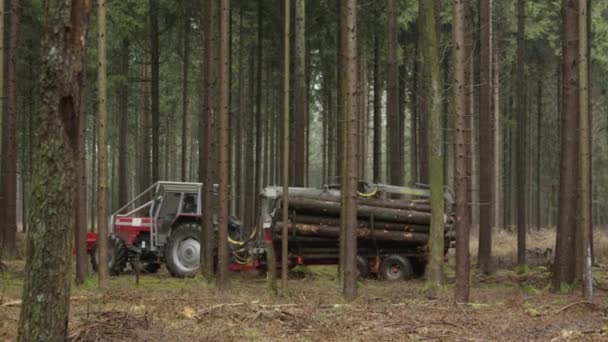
163, 225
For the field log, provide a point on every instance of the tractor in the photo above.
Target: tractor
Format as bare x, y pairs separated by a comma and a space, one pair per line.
162, 224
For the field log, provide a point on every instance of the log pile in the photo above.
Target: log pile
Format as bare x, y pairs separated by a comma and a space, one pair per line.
314, 226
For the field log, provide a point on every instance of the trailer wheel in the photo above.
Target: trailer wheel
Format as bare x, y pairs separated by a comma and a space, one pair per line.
183, 250
396, 267
117, 255
363, 269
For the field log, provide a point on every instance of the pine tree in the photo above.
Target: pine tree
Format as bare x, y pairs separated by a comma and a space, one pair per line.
46, 289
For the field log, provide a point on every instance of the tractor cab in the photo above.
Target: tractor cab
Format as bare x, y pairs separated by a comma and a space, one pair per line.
163, 223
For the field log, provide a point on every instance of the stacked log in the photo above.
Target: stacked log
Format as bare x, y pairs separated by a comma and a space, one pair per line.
388, 224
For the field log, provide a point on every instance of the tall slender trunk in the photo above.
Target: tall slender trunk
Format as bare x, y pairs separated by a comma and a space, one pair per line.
377, 111
224, 144
362, 111
239, 149
2, 111
486, 139
154, 95
348, 88
520, 94
185, 96
8, 230
123, 128
102, 143
285, 145
145, 126
422, 107
565, 258
498, 139
81, 199
435, 141
259, 118
394, 154
299, 93
460, 155
209, 156
585, 172
539, 112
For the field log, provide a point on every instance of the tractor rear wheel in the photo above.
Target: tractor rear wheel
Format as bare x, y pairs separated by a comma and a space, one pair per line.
183, 250
117, 255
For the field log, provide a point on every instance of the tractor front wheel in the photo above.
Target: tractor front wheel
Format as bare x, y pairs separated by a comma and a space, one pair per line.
117, 255
183, 250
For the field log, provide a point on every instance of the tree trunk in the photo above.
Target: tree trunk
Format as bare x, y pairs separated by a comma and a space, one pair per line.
486, 139
123, 118
539, 99
81, 199
585, 172
154, 95
259, 118
102, 146
299, 92
46, 290
185, 89
422, 107
209, 155
565, 258
435, 141
2, 111
348, 88
285, 144
463, 263
8, 240
394, 155
520, 94
377, 168
224, 148
146, 179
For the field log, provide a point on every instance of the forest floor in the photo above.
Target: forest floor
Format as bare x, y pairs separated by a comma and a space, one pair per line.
505, 306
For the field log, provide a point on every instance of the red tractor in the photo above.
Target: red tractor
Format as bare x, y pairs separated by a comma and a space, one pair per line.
162, 224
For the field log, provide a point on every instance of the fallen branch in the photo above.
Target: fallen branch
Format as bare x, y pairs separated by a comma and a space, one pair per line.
573, 304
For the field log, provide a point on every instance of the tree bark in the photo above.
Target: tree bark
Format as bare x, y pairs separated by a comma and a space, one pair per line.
259, 117
348, 88
520, 94
2, 111
46, 290
285, 144
185, 93
154, 94
102, 146
585, 172
486, 139
539, 111
299, 92
565, 258
394, 155
123, 118
224, 148
435, 142
377, 168
8, 231
146, 177
463, 263
208, 158
81, 199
